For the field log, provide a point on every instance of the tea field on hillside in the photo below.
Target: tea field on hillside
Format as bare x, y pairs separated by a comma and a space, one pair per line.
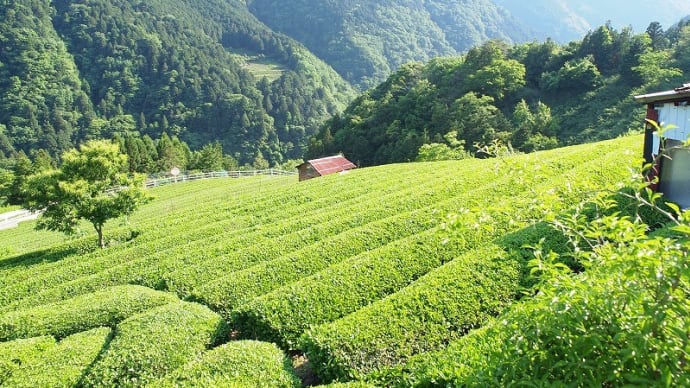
221, 282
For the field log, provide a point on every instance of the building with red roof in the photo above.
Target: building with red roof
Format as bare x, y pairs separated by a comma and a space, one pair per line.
324, 166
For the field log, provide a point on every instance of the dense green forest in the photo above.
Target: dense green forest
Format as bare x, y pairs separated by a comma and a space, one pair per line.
365, 41
523, 97
77, 70
206, 85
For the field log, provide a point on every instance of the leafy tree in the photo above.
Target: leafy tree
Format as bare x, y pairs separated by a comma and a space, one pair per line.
22, 169
498, 78
656, 33
682, 49
89, 185
477, 120
533, 131
577, 76
655, 70
453, 150
209, 158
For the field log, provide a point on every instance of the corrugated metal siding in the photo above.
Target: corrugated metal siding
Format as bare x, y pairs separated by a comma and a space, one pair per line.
677, 115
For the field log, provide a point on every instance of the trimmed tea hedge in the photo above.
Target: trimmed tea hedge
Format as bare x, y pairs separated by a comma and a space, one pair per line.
282, 316
102, 308
14, 354
61, 365
155, 343
442, 305
235, 364
230, 291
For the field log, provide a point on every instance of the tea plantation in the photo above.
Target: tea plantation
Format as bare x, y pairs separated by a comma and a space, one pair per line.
380, 276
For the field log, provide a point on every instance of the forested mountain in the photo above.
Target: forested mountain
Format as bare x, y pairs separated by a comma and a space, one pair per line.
366, 40
528, 96
169, 77
566, 20
200, 70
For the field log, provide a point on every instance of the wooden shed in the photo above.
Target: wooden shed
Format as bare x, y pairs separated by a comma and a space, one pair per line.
669, 108
324, 166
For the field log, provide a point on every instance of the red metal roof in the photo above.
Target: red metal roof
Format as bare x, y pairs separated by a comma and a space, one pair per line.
331, 164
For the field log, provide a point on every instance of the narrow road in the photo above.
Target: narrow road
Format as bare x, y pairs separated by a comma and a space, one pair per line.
12, 219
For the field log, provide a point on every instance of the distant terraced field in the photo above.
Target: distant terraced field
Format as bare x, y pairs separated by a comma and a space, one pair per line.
216, 282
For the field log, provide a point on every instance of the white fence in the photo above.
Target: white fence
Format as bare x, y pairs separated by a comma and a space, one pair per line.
216, 174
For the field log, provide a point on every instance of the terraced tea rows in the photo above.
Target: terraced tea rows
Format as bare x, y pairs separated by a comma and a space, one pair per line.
361, 271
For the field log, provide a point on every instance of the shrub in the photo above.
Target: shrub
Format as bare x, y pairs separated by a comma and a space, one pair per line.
13, 354
239, 363
442, 305
155, 343
621, 322
282, 315
61, 365
102, 308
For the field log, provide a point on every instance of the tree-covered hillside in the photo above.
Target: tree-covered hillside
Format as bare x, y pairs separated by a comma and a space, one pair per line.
529, 96
366, 40
202, 70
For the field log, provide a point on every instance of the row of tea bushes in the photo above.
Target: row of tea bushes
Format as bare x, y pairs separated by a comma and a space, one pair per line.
235, 364
103, 308
312, 228
150, 345
444, 304
16, 353
229, 291
190, 244
454, 298
40, 362
283, 314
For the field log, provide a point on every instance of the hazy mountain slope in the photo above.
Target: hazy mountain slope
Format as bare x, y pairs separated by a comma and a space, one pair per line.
366, 40
566, 20
193, 69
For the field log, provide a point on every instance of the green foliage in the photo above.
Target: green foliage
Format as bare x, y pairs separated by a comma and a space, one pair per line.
90, 185
574, 93
438, 151
84, 312
210, 239
74, 71
575, 76
61, 365
438, 307
155, 343
208, 158
14, 354
235, 364
285, 313
620, 322
366, 42
42, 99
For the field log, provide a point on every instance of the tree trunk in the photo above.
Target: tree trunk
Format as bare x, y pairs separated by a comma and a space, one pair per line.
99, 230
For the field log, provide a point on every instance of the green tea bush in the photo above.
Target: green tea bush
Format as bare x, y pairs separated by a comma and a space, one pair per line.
103, 308
230, 291
155, 343
282, 315
621, 322
235, 364
14, 354
61, 365
443, 305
